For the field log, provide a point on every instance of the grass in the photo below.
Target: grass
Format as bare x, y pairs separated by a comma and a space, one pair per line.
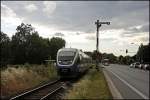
92, 86
17, 78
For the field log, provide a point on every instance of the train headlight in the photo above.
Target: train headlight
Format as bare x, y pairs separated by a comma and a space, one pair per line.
70, 61
59, 61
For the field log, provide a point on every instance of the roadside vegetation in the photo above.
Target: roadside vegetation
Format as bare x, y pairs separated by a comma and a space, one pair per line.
17, 78
27, 46
92, 86
22, 59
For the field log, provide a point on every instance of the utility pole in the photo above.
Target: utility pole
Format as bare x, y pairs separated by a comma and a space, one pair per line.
98, 25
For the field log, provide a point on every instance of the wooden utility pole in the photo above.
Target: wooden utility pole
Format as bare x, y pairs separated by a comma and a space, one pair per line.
98, 24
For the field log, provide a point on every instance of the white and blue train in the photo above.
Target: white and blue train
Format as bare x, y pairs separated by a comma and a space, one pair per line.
71, 62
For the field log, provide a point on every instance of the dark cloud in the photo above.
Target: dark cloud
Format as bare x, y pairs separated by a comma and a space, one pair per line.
135, 31
145, 28
78, 33
81, 15
59, 34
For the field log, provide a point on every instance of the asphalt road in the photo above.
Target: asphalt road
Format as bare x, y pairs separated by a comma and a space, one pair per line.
132, 83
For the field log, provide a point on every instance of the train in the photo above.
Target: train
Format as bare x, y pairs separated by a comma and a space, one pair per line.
71, 62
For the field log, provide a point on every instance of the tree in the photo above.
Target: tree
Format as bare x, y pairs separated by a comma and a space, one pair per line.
37, 50
112, 58
120, 58
27, 46
5, 49
96, 55
143, 53
20, 43
88, 53
55, 44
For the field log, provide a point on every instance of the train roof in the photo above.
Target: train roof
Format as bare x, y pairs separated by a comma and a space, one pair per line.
68, 49
75, 50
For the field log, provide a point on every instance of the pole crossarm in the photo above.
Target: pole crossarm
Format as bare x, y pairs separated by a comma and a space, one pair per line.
100, 23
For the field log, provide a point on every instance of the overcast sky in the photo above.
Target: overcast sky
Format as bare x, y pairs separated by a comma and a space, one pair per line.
75, 22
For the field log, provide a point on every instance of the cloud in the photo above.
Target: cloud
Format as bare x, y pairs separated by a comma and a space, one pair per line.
81, 16
135, 30
8, 16
30, 8
6, 11
108, 39
145, 28
76, 20
9, 20
78, 33
144, 39
49, 7
90, 37
59, 34
141, 39
141, 28
101, 38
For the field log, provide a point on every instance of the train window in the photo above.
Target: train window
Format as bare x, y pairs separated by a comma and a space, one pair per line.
66, 55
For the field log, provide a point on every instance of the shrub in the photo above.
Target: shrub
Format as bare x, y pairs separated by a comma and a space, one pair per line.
92, 86
14, 80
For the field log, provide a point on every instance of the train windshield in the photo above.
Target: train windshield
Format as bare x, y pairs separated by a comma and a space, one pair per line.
66, 55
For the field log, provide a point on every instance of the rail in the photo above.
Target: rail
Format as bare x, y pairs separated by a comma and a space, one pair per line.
41, 92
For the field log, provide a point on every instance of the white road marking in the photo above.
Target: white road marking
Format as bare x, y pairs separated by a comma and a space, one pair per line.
133, 88
116, 94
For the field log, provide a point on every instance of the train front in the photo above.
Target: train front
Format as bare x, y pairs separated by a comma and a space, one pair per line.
66, 63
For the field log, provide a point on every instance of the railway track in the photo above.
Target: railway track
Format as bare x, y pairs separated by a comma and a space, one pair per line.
48, 91
52, 90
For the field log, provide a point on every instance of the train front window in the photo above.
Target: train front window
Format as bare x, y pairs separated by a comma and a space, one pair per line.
66, 56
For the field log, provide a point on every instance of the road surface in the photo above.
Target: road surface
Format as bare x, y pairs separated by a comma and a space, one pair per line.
132, 83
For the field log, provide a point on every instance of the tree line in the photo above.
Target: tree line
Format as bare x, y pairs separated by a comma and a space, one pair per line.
26, 46
143, 53
112, 58
141, 56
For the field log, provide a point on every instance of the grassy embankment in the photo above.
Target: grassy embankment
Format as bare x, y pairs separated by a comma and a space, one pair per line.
16, 78
92, 86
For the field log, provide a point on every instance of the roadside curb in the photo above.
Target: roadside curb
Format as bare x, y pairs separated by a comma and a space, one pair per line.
114, 91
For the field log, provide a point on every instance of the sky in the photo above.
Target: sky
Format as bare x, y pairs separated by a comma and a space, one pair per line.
74, 21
